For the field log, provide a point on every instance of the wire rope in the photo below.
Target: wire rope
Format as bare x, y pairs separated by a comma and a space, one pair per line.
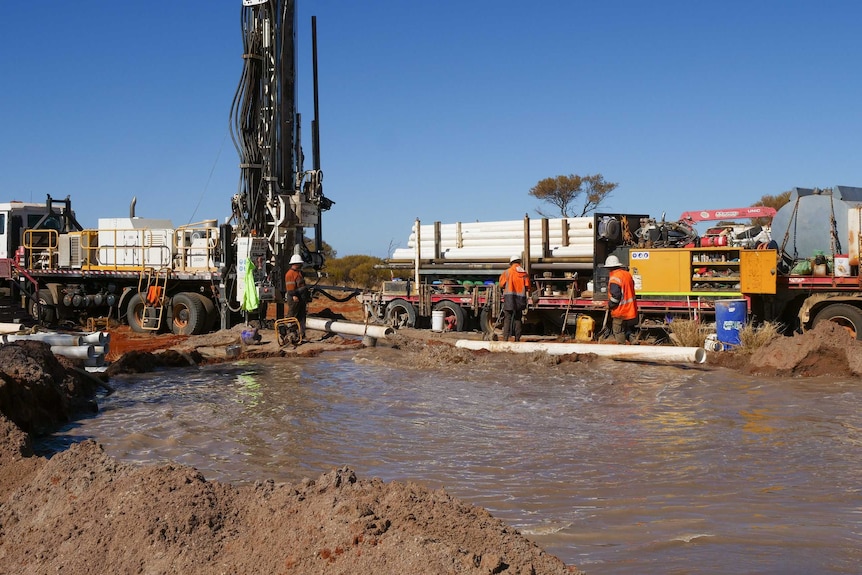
209, 179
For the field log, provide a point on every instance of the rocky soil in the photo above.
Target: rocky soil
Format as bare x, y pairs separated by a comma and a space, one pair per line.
83, 512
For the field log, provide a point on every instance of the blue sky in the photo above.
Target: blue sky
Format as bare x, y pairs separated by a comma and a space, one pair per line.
441, 110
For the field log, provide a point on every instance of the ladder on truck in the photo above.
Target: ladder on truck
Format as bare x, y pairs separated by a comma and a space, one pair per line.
573, 294
152, 288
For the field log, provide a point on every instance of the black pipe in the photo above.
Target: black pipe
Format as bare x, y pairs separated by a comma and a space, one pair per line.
315, 141
286, 136
315, 131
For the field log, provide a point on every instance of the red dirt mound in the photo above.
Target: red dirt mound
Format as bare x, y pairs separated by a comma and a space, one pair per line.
828, 349
84, 512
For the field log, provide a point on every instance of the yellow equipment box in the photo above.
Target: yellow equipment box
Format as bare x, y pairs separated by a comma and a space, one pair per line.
715, 272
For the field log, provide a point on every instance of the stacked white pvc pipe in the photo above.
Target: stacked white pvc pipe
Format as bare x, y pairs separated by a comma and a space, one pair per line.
500, 239
667, 354
51, 338
90, 347
76, 351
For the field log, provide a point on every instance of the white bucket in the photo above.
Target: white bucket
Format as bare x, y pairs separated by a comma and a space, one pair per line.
842, 266
437, 320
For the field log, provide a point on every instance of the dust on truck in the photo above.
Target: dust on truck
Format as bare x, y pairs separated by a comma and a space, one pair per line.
779, 272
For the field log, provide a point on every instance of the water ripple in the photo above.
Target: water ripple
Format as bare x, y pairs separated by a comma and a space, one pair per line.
618, 467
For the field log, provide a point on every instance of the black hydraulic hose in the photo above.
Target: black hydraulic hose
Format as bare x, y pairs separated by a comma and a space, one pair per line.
228, 289
353, 293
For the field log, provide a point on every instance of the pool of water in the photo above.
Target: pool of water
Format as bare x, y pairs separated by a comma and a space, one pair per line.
619, 468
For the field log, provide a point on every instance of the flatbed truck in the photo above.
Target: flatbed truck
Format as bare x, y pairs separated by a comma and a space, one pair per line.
675, 277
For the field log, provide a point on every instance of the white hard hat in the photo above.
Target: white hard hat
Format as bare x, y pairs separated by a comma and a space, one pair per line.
613, 262
296, 259
515, 258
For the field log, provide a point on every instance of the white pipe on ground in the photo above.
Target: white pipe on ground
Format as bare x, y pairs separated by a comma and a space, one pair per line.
659, 353
75, 351
96, 337
11, 327
62, 339
347, 328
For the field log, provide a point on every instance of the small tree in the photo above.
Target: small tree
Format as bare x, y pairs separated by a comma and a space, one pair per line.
563, 191
770, 201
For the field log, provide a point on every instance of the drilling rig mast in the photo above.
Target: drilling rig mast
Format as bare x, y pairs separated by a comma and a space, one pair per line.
277, 198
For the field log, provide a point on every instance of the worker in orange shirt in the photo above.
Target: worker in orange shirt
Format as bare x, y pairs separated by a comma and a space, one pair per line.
296, 293
515, 286
622, 301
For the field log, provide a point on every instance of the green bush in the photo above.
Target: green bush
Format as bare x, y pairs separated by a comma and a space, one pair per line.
356, 271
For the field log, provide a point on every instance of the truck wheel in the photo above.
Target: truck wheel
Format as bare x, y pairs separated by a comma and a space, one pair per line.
210, 312
42, 307
135, 313
400, 313
488, 322
186, 314
847, 316
453, 316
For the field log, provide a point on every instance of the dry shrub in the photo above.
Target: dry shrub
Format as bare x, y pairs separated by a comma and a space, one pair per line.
752, 338
689, 333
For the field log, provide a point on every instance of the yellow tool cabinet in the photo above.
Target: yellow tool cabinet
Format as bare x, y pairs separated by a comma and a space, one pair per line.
715, 272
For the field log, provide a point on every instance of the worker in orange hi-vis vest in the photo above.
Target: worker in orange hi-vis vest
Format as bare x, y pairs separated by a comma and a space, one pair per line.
622, 301
515, 286
296, 293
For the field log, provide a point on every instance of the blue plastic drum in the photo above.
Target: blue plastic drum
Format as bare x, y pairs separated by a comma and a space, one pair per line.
730, 316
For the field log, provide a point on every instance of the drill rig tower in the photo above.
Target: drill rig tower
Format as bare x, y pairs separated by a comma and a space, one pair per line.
277, 197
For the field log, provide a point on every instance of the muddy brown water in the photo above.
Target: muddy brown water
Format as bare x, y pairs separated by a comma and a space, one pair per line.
619, 468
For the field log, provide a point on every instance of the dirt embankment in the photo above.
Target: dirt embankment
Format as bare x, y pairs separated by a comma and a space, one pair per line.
828, 349
83, 512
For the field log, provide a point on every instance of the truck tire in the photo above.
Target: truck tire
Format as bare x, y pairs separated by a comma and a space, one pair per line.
135, 313
186, 314
453, 315
400, 313
210, 312
847, 316
487, 323
42, 307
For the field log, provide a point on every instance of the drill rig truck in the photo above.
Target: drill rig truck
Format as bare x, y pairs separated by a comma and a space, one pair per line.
192, 278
